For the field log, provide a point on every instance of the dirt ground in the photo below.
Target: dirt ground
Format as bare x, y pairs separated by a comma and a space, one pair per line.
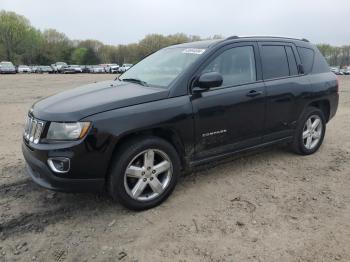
268, 206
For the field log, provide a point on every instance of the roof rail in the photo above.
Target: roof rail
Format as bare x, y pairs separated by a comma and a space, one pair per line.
232, 37
237, 37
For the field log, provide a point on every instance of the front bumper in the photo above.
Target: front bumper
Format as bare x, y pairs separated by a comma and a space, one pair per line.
42, 175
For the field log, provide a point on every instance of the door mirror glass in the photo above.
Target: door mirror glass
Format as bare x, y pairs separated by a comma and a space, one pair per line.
210, 80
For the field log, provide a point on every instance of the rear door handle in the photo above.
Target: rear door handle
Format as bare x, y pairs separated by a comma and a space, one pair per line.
254, 93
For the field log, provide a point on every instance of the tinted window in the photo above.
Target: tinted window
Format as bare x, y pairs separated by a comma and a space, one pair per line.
320, 64
307, 58
293, 69
236, 65
274, 61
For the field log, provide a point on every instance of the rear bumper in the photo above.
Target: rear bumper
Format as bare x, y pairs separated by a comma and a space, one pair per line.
334, 101
43, 176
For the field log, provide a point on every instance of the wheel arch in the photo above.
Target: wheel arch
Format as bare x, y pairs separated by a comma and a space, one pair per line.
323, 105
167, 134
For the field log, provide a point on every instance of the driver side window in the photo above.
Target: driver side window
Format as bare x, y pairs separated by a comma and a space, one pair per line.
236, 65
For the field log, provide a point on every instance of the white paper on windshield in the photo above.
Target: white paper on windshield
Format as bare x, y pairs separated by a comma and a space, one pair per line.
196, 51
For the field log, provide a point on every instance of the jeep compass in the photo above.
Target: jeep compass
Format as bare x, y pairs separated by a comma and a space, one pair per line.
181, 106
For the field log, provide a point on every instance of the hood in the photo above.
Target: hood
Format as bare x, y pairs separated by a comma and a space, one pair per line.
75, 104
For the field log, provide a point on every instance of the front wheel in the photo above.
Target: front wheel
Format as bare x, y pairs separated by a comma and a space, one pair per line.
144, 173
310, 132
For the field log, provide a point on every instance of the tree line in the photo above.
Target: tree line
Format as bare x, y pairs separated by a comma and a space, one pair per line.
336, 56
22, 43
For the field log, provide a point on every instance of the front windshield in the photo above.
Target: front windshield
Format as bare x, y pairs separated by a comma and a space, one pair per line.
162, 67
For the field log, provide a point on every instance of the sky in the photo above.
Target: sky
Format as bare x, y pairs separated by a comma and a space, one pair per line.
128, 21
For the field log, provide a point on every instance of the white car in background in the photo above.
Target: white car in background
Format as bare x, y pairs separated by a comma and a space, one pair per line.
124, 68
347, 71
59, 66
336, 70
97, 69
23, 69
112, 68
7, 68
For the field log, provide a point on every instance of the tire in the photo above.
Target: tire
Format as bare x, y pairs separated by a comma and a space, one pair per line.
304, 134
123, 184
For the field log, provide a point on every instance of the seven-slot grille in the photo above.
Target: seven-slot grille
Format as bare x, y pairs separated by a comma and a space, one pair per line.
33, 129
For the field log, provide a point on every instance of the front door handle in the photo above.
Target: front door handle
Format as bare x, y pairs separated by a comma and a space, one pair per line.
254, 93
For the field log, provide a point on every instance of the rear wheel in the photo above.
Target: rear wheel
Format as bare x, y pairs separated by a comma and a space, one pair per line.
144, 173
310, 132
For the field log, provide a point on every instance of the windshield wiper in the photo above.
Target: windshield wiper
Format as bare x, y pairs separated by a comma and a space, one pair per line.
135, 80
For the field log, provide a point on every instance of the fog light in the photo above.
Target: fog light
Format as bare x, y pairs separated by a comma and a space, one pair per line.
59, 164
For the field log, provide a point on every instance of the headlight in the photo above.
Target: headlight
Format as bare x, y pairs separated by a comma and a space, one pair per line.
67, 131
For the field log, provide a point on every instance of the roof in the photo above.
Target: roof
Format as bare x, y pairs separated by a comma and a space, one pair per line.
209, 43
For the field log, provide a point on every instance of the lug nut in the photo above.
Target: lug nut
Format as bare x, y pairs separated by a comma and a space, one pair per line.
145, 179
149, 168
143, 173
151, 178
154, 171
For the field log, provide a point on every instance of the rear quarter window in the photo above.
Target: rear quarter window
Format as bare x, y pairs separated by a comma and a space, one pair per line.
307, 58
320, 64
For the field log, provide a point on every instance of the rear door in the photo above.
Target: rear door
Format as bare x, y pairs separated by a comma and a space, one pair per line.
230, 117
283, 86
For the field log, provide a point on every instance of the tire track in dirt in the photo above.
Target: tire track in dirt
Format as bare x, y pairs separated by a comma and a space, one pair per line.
18, 189
33, 222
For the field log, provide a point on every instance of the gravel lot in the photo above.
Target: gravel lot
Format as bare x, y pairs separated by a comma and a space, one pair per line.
269, 206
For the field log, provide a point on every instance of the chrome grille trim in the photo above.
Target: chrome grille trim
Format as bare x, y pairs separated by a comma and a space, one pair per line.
33, 129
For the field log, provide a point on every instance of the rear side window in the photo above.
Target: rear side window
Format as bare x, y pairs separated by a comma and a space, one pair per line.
292, 62
307, 58
274, 62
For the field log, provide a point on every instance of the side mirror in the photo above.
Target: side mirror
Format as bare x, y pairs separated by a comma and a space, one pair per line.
210, 80
301, 70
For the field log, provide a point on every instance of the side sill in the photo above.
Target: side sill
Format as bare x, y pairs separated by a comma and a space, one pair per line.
206, 160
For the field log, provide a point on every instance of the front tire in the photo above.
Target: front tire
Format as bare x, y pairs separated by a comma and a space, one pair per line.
310, 132
144, 173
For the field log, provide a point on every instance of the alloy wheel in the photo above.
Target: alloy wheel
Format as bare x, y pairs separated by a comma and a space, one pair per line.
312, 132
148, 175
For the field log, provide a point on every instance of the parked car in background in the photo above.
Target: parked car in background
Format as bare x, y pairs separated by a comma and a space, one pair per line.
23, 69
347, 70
54, 68
67, 70
34, 68
97, 69
112, 68
124, 68
335, 70
59, 66
77, 68
45, 69
7, 68
85, 68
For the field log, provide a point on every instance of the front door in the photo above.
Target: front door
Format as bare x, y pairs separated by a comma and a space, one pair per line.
230, 117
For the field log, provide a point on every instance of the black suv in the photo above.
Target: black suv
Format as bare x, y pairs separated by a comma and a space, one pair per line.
181, 106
